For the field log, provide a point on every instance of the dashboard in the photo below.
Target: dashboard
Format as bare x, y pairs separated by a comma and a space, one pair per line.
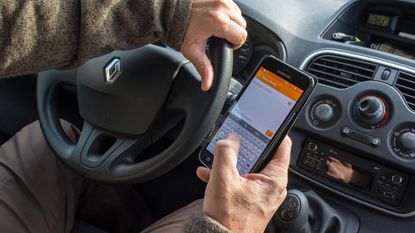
261, 41
360, 120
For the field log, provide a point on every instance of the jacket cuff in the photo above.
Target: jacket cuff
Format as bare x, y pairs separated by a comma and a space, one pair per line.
203, 224
177, 19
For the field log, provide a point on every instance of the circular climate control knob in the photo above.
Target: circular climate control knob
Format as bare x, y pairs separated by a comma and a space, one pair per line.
371, 111
404, 142
323, 112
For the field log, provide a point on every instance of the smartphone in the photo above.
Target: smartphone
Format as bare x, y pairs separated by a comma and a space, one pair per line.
262, 114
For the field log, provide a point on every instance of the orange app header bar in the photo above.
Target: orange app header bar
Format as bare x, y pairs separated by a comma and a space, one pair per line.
281, 85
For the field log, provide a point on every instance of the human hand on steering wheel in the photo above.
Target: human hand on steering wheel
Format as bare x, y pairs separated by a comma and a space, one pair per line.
154, 83
221, 18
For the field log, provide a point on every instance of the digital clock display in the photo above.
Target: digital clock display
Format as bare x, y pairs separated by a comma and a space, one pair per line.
379, 20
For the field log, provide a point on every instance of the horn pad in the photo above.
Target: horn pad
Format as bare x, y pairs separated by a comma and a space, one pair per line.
115, 95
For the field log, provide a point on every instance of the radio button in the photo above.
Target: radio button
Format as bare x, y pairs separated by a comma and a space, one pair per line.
312, 146
397, 179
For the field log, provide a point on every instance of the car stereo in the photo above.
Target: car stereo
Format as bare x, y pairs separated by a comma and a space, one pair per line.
350, 171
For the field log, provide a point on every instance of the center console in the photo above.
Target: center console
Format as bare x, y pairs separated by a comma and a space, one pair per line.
356, 135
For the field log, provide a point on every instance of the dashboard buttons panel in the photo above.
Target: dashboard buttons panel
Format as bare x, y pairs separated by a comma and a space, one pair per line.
325, 113
404, 143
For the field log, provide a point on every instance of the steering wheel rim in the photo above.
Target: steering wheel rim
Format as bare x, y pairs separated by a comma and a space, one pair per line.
118, 162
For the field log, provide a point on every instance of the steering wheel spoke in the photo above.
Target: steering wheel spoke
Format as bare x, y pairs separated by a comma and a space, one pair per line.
100, 150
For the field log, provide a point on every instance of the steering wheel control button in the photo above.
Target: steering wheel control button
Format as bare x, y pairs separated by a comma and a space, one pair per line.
361, 137
404, 143
325, 113
371, 112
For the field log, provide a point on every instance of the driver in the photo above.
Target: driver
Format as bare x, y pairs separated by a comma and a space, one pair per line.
38, 194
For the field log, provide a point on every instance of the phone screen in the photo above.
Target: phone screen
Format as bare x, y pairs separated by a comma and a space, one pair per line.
257, 115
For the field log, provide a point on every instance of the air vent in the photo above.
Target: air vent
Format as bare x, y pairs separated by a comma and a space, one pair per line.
405, 83
341, 72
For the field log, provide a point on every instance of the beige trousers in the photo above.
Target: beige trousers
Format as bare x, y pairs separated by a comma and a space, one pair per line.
40, 195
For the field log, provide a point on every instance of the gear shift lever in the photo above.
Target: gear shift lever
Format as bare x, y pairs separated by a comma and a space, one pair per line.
292, 216
307, 212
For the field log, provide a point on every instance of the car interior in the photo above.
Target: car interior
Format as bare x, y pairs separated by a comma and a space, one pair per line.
353, 157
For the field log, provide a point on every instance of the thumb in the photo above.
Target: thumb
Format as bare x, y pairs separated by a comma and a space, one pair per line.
226, 157
281, 161
197, 56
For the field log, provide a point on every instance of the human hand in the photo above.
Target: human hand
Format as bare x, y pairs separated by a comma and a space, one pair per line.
220, 18
244, 203
339, 170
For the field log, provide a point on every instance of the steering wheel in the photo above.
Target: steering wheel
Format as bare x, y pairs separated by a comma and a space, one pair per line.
129, 100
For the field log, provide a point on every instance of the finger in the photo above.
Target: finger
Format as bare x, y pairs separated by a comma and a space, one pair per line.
235, 6
334, 169
337, 163
328, 162
197, 56
281, 160
232, 32
239, 20
335, 160
332, 174
226, 157
203, 173
236, 15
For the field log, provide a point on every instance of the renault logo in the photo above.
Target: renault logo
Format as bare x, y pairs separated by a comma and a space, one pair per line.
113, 71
